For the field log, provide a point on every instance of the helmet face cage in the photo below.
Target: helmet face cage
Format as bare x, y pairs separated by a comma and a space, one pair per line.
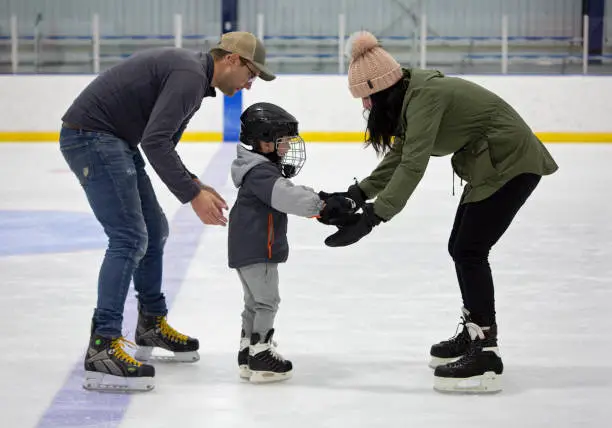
292, 152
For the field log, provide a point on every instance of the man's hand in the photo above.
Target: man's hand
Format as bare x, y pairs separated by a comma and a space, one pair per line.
209, 189
209, 206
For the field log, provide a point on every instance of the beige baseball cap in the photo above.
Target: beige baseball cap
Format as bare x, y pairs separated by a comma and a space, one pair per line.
248, 47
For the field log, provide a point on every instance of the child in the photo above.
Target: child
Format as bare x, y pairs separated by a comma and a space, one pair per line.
257, 239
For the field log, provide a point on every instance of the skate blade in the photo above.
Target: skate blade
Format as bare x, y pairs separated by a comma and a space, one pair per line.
95, 381
145, 353
436, 361
244, 372
267, 377
486, 383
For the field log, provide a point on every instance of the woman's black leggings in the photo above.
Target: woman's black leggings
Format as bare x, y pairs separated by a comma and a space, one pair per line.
477, 227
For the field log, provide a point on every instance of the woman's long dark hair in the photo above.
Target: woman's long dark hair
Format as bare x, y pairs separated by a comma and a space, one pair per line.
384, 116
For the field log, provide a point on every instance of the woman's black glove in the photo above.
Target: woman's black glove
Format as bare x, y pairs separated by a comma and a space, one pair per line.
352, 233
338, 210
354, 193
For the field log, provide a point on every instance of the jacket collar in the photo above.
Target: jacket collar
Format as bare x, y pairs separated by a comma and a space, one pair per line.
209, 68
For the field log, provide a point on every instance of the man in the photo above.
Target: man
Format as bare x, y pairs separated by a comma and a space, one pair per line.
146, 100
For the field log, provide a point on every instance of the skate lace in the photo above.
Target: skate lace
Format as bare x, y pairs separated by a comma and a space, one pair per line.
476, 345
275, 354
119, 353
459, 335
171, 333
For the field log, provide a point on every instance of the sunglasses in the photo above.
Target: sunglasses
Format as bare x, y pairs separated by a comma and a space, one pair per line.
253, 74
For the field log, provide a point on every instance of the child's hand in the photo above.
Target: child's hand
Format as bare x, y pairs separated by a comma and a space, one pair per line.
338, 210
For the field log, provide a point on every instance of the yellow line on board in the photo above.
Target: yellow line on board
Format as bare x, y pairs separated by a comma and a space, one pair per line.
52, 137
309, 136
28, 137
332, 137
201, 137
575, 137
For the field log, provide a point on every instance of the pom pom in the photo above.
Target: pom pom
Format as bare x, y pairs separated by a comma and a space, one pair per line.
362, 42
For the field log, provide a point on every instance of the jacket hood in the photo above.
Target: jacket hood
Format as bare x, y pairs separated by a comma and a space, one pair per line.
418, 77
244, 162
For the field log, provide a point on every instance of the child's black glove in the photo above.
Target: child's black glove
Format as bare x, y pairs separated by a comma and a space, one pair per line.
338, 211
352, 233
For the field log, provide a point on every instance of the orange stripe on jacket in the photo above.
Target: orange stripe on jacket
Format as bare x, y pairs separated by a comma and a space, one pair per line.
270, 234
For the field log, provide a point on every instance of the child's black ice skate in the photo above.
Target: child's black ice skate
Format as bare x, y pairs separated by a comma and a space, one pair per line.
265, 364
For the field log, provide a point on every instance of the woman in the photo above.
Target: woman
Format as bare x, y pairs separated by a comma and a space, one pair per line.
413, 115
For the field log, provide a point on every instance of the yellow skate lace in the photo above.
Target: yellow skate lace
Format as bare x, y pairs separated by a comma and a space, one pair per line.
117, 349
171, 333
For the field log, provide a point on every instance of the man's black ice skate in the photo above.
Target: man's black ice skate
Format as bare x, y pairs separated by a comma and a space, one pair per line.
243, 356
265, 364
154, 331
479, 370
109, 368
453, 348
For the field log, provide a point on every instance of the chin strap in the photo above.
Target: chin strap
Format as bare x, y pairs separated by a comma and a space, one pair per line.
273, 156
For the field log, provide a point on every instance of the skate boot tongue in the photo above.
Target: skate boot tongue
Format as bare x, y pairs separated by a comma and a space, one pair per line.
475, 331
269, 336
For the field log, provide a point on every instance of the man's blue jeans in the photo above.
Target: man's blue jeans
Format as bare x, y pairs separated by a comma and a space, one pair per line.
122, 199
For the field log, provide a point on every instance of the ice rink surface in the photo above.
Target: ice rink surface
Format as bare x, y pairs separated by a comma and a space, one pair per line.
357, 322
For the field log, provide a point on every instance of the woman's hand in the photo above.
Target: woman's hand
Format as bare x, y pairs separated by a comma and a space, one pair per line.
350, 234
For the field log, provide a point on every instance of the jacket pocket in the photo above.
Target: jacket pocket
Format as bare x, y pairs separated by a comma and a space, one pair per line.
473, 163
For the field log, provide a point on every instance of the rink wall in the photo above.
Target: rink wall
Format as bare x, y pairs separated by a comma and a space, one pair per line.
558, 108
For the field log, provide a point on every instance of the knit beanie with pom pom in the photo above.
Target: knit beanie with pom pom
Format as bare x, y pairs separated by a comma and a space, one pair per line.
371, 69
